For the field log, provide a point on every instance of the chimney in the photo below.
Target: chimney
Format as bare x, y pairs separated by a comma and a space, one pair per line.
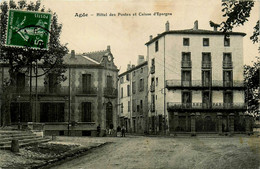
72, 54
108, 48
167, 26
128, 66
196, 25
140, 59
215, 28
151, 37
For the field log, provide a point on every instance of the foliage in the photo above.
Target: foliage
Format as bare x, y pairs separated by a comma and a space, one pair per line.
236, 14
251, 74
20, 58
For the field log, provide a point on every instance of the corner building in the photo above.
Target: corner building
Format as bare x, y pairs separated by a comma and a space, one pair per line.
76, 106
196, 82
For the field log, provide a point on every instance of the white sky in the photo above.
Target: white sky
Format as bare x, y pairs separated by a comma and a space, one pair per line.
127, 35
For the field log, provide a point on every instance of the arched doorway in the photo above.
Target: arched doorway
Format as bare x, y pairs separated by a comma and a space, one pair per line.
109, 114
209, 124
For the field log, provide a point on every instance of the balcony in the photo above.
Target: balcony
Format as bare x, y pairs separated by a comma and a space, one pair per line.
227, 65
186, 64
175, 106
152, 88
206, 64
152, 107
110, 92
198, 84
152, 69
87, 92
44, 90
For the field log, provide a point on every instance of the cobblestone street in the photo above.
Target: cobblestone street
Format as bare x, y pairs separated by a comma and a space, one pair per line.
160, 152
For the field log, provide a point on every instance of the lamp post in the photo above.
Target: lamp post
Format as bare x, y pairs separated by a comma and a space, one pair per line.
19, 112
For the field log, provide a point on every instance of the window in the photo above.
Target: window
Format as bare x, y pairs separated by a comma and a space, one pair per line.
127, 77
206, 77
122, 107
133, 73
86, 83
186, 42
157, 81
133, 87
51, 112
20, 82
227, 58
53, 81
122, 94
141, 71
205, 41
137, 108
186, 99
153, 99
128, 90
128, 106
141, 85
228, 97
86, 112
156, 46
227, 78
141, 104
134, 105
226, 41
153, 62
206, 60
186, 60
186, 77
206, 99
122, 79
109, 82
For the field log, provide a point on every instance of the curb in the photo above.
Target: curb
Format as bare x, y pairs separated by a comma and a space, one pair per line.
68, 156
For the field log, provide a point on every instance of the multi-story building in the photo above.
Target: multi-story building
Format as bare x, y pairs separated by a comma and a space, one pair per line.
196, 77
76, 106
133, 97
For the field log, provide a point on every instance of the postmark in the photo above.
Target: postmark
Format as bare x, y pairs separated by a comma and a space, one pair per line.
28, 29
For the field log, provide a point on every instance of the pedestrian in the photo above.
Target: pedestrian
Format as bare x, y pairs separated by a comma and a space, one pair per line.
98, 130
118, 131
111, 127
123, 131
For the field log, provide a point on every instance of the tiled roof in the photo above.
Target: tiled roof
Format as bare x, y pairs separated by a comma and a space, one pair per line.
97, 56
78, 60
194, 31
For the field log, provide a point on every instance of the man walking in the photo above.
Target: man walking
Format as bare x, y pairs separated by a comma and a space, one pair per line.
123, 131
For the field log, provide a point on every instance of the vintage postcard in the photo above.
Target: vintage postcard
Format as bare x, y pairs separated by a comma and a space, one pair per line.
129, 84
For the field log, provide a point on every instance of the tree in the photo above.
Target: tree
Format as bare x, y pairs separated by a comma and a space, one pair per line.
251, 74
20, 58
236, 14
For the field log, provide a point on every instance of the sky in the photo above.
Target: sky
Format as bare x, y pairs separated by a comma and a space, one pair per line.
127, 35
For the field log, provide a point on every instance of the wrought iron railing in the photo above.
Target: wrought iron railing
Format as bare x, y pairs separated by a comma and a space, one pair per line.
227, 64
186, 64
152, 69
199, 105
206, 64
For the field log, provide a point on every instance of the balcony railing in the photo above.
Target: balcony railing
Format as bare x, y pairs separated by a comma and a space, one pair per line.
199, 105
45, 90
152, 88
152, 107
200, 83
227, 64
152, 69
206, 64
186, 64
89, 91
110, 92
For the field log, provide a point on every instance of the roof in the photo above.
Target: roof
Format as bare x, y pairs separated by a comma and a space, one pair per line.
134, 68
194, 31
97, 55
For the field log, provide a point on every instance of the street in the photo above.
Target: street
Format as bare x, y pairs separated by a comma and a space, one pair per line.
160, 152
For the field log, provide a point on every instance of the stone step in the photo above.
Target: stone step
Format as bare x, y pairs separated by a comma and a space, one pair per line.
17, 138
23, 144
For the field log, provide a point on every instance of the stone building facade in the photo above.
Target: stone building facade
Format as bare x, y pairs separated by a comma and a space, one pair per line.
133, 106
76, 106
196, 79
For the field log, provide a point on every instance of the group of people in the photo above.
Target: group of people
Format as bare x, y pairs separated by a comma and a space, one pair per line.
110, 130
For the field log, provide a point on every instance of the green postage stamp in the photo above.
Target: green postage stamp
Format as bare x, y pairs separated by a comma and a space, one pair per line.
28, 29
